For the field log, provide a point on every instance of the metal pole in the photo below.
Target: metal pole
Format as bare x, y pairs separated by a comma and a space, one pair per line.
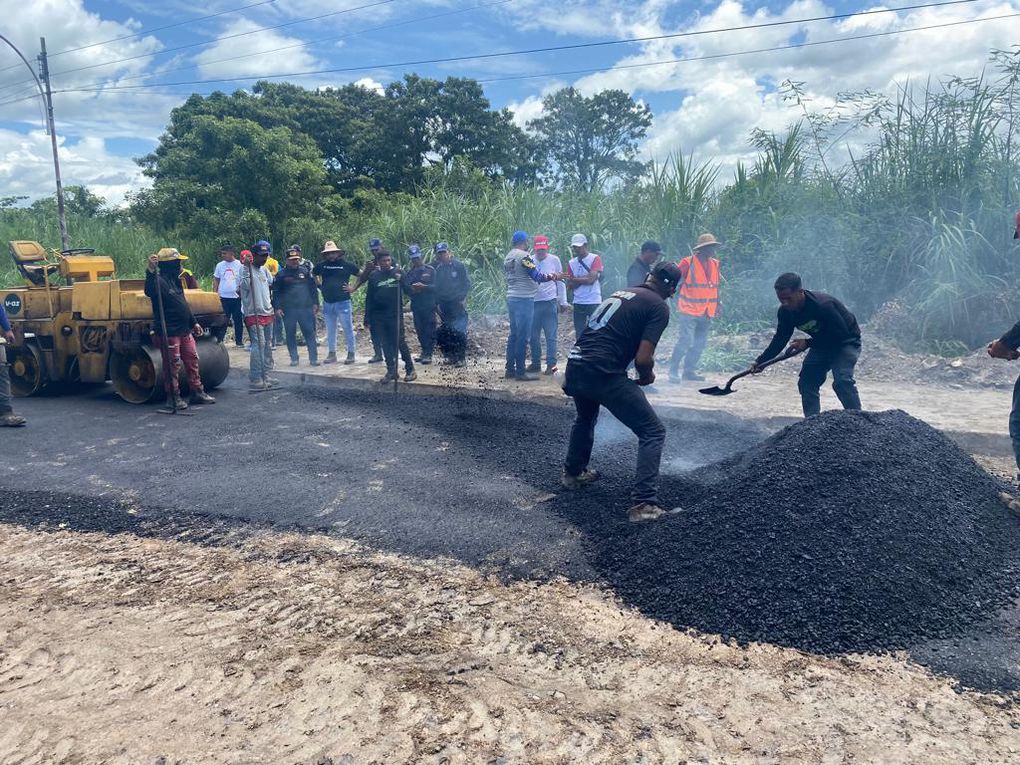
44, 71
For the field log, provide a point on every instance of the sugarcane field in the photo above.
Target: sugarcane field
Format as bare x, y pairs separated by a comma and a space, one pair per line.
509, 383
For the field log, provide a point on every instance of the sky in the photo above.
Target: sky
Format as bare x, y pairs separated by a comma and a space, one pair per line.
101, 49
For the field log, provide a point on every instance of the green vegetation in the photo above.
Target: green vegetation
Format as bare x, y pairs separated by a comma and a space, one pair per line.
912, 227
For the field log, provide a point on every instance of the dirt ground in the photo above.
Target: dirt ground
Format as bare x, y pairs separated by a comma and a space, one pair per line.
306, 649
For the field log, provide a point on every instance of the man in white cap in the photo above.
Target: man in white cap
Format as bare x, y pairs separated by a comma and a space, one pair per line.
333, 274
584, 276
698, 305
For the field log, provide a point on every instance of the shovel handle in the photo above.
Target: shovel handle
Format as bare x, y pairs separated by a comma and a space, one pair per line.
790, 353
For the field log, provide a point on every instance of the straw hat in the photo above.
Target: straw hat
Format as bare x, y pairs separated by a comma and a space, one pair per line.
706, 240
168, 254
330, 246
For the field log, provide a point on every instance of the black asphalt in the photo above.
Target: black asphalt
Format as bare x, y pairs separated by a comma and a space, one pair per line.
461, 476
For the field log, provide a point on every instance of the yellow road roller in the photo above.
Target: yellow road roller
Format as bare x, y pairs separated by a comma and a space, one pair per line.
74, 321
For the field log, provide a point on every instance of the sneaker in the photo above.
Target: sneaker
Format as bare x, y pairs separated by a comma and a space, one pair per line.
201, 397
425, 360
350, 358
579, 481
375, 359
525, 377
179, 403
551, 369
259, 387
12, 420
693, 377
534, 368
645, 511
410, 376
330, 359
388, 378
293, 362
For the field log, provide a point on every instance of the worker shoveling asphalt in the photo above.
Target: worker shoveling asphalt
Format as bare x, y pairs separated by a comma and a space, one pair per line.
715, 390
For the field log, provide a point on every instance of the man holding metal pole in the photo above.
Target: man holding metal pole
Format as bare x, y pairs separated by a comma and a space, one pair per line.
175, 326
384, 311
257, 307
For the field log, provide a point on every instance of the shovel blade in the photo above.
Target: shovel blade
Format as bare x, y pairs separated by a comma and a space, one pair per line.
715, 390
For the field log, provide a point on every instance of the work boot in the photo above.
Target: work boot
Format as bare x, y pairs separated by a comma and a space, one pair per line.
551, 369
586, 478
12, 420
259, 387
410, 376
201, 397
388, 378
693, 377
375, 359
645, 511
179, 403
350, 357
330, 359
525, 377
425, 360
534, 368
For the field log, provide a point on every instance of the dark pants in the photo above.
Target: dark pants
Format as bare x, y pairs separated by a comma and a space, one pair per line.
454, 314
547, 321
232, 308
305, 319
522, 315
581, 314
376, 343
5, 384
690, 344
1014, 422
627, 403
817, 364
425, 327
391, 336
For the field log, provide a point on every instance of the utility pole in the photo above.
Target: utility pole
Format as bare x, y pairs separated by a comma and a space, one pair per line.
44, 71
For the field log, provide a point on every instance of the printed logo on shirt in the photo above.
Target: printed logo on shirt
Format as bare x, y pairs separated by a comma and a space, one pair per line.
809, 326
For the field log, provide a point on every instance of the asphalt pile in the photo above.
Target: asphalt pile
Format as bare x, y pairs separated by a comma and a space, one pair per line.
851, 531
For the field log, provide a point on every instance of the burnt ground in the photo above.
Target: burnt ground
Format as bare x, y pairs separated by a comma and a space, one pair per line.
456, 476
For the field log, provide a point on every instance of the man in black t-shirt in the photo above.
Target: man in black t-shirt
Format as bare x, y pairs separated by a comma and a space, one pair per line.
333, 274
624, 328
835, 342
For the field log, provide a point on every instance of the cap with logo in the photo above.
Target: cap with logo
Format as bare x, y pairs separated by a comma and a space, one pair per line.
263, 247
168, 254
541, 242
668, 273
414, 251
442, 247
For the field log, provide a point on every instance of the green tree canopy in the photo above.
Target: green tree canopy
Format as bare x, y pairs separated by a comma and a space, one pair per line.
589, 141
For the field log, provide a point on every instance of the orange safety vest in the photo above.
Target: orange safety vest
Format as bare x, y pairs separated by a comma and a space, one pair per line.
699, 293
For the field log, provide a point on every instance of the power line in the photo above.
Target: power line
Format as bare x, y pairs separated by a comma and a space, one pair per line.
531, 51
575, 46
125, 90
151, 31
318, 40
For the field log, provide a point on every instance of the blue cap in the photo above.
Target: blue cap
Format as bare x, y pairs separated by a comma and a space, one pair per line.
414, 251
374, 244
263, 246
442, 247
519, 236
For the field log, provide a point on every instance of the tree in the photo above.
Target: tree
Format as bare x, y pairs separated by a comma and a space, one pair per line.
588, 142
78, 200
228, 169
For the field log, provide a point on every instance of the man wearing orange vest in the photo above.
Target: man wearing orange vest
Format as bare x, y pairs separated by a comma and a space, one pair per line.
698, 305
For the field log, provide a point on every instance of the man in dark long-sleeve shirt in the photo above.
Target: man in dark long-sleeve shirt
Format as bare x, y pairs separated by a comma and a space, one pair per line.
1006, 348
296, 300
384, 311
452, 287
8, 419
834, 344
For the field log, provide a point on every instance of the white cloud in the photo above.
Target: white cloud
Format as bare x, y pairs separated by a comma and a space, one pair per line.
228, 46
369, 84
26, 167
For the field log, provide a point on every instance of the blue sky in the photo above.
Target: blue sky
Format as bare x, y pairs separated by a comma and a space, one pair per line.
707, 108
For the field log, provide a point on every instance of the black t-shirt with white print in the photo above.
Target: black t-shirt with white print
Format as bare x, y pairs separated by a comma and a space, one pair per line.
616, 328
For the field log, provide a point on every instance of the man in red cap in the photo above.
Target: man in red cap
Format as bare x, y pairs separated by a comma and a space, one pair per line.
550, 299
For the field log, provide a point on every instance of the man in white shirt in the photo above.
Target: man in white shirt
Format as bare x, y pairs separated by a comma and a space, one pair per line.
226, 279
584, 278
551, 297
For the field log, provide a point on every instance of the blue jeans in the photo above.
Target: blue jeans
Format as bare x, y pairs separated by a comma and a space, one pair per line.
338, 313
522, 315
260, 359
817, 364
304, 318
547, 320
1014, 421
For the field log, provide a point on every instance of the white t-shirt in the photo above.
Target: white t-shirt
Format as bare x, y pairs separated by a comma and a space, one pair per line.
587, 294
551, 290
229, 275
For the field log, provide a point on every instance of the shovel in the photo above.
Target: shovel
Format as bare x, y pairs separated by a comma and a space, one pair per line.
715, 390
